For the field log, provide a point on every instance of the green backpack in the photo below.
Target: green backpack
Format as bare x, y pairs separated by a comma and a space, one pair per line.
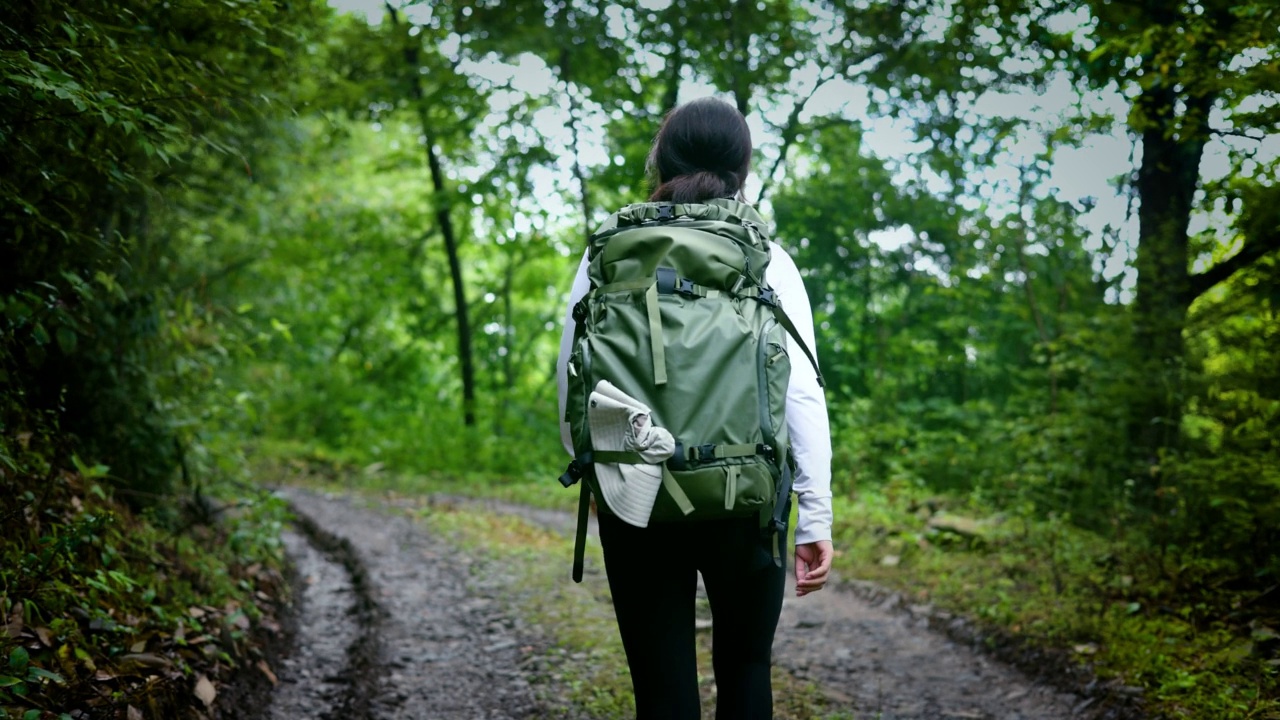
679, 317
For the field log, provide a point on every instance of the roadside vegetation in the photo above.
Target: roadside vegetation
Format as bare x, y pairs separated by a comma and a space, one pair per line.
114, 613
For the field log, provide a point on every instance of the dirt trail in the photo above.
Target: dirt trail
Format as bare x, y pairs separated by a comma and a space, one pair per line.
445, 648
882, 660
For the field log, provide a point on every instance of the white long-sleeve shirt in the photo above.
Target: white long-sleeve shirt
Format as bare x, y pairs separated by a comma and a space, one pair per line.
807, 422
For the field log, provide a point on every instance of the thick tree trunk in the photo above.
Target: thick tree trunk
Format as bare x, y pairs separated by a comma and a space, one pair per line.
1171, 152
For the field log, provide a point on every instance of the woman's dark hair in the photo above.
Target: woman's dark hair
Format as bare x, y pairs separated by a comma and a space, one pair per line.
702, 151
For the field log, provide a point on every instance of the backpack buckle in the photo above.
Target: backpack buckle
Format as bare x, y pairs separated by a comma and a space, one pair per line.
702, 453
575, 471
580, 311
666, 212
686, 288
768, 296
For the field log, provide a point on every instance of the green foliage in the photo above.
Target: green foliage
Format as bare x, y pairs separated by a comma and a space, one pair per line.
115, 116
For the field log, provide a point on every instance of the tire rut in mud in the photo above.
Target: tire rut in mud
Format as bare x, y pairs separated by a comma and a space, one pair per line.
332, 673
427, 635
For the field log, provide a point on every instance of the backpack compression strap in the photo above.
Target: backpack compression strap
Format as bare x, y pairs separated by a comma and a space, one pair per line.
775, 531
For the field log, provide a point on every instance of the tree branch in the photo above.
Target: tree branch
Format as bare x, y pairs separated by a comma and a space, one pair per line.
1238, 133
1252, 251
789, 133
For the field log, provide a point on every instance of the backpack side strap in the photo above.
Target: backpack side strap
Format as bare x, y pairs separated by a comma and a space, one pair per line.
775, 525
577, 470
770, 298
580, 537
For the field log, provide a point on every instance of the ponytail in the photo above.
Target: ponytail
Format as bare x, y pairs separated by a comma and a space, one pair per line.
702, 151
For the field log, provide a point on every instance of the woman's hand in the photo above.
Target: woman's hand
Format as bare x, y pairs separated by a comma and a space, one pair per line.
813, 562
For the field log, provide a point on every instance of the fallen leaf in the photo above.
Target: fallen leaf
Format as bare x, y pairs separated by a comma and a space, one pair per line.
45, 635
195, 612
1085, 648
890, 560
266, 670
134, 713
205, 691
138, 662
140, 646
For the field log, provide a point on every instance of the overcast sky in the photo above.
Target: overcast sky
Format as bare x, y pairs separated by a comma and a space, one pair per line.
1076, 173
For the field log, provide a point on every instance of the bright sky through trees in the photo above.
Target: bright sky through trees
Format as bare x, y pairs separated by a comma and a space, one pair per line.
1082, 175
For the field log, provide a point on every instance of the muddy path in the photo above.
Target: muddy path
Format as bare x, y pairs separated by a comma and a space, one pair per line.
397, 623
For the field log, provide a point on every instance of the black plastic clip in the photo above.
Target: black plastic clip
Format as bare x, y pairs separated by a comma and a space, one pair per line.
666, 212
702, 453
577, 468
768, 296
778, 526
580, 311
686, 287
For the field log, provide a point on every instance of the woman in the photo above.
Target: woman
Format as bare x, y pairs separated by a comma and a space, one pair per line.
703, 152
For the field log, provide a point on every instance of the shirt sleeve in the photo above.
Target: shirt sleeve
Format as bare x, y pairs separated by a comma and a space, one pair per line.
581, 284
807, 422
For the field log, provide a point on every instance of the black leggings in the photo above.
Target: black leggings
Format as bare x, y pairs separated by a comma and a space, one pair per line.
653, 578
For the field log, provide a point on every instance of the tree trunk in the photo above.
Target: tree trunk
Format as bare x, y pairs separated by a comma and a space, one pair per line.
1166, 186
455, 274
439, 195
